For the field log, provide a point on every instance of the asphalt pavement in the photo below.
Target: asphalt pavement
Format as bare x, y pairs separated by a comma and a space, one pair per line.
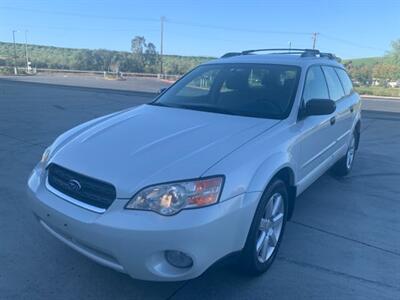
343, 241
135, 84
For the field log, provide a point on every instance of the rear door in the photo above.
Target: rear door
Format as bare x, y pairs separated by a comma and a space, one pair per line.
351, 100
342, 117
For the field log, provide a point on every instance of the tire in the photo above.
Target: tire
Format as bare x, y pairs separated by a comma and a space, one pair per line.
257, 256
345, 164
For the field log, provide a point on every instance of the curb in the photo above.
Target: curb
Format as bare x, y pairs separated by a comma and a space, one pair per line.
379, 97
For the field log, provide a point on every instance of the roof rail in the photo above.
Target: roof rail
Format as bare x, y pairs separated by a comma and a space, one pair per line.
288, 50
230, 54
302, 52
330, 56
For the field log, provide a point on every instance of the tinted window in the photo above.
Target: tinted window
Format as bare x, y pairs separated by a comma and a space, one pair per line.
345, 80
199, 85
335, 87
254, 90
315, 86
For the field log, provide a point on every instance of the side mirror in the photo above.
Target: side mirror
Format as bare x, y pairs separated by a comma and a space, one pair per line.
162, 90
318, 107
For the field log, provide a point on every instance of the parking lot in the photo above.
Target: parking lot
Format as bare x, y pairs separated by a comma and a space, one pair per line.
343, 241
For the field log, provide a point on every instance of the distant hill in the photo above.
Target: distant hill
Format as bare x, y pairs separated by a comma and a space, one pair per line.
94, 59
106, 60
368, 61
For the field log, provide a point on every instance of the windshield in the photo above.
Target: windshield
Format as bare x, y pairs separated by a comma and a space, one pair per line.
253, 90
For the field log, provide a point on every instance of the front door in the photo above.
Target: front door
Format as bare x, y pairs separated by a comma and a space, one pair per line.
318, 133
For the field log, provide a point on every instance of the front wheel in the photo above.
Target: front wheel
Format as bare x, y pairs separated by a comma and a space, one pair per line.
266, 229
345, 164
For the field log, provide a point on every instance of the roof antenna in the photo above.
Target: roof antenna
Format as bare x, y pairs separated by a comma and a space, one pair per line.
290, 46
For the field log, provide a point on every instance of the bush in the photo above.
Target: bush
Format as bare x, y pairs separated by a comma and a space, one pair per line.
7, 71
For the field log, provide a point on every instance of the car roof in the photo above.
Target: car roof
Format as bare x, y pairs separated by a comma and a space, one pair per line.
280, 59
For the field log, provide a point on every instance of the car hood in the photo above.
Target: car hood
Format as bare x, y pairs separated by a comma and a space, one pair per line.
152, 144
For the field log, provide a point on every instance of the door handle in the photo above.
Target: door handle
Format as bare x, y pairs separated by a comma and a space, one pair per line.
333, 120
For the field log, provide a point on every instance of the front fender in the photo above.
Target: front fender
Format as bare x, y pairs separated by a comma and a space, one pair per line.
269, 168
246, 174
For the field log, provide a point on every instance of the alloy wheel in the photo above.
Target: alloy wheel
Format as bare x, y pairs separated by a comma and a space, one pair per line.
351, 152
270, 227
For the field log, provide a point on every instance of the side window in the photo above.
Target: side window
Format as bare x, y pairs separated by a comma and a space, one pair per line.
345, 80
335, 87
315, 86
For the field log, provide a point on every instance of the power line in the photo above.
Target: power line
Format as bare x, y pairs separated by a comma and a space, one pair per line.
74, 14
351, 43
154, 20
236, 28
163, 21
81, 28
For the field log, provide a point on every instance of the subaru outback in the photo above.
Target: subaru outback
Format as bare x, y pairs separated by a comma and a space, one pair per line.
211, 167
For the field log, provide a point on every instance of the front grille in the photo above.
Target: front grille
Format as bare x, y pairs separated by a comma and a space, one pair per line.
80, 187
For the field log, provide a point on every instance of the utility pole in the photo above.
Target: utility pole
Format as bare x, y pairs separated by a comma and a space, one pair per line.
314, 38
15, 53
162, 19
26, 51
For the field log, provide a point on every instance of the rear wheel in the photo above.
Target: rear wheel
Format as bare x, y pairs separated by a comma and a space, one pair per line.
345, 164
266, 230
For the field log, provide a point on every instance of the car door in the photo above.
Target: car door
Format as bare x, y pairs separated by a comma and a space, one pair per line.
318, 134
350, 103
343, 116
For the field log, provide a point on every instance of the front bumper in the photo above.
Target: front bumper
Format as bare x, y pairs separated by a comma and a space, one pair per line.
134, 242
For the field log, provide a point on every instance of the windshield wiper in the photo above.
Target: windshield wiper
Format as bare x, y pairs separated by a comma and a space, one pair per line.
206, 109
161, 104
217, 110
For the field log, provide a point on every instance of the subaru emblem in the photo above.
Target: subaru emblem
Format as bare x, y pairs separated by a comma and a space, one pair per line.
74, 185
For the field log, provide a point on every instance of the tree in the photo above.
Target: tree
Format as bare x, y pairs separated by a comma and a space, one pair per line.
103, 59
394, 54
359, 73
143, 58
385, 71
144, 55
151, 57
138, 46
115, 62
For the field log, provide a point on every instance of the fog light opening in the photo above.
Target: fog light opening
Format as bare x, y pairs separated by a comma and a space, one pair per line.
178, 259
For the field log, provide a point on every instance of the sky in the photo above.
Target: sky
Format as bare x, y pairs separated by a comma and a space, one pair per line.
350, 29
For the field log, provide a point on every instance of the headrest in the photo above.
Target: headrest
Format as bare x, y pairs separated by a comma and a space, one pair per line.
238, 80
270, 79
289, 82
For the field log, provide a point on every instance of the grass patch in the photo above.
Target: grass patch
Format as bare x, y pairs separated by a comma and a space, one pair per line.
378, 91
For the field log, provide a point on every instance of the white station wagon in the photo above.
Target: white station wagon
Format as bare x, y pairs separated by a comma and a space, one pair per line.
211, 167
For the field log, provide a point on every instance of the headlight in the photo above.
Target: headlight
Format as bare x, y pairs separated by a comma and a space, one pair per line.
170, 198
45, 156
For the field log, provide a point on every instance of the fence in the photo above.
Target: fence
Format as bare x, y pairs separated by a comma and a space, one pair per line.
33, 71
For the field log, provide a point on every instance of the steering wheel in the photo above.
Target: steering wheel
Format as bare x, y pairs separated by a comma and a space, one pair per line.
273, 104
